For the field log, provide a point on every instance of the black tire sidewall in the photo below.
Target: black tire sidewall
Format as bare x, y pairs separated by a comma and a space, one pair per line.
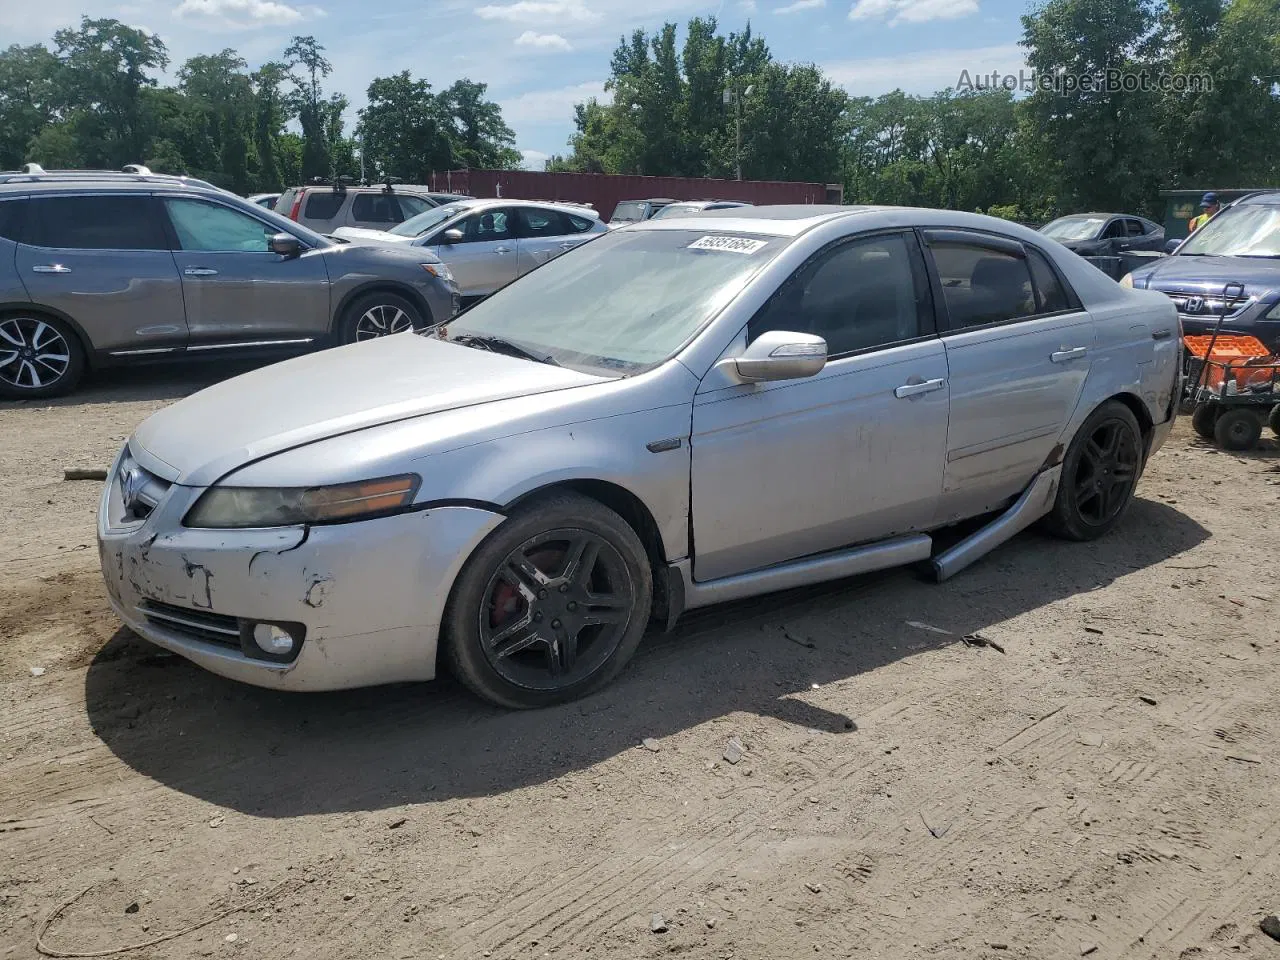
460, 635
1273, 420
1065, 520
357, 308
1204, 419
1226, 424
75, 367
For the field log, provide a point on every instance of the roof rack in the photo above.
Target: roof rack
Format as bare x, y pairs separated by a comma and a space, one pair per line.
34, 173
339, 184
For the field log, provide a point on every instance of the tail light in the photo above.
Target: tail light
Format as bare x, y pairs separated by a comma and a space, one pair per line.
296, 207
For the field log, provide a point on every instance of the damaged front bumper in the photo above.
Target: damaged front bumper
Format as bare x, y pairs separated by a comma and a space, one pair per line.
363, 599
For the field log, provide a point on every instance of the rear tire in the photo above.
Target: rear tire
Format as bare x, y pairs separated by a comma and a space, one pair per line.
1099, 474
551, 605
1204, 419
40, 357
379, 314
1274, 420
1238, 429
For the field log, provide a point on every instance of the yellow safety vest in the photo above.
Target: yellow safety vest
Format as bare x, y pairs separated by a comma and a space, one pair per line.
1198, 222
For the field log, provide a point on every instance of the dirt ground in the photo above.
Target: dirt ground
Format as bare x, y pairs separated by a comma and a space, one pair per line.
1106, 786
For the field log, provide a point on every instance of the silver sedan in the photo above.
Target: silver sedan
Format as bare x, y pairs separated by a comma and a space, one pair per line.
681, 413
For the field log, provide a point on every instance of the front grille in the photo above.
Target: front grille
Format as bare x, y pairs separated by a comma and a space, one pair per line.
140, 490
197, 624
1199, 305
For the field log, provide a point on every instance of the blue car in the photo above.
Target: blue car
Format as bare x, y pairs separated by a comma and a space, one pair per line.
1228, 270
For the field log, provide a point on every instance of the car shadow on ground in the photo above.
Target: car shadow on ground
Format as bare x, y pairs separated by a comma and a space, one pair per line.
167, 381
277, 755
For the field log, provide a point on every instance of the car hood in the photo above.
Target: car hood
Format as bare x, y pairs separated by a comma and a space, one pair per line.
355, 234
1208, 275
201, 438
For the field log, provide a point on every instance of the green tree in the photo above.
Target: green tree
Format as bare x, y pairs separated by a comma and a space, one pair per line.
29, 82
402, 131
223, 91
269, 116
106, 66
480, 136
305, 55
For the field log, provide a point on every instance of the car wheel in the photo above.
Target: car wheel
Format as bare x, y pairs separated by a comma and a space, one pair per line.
379, 315
1238, 429
39, 357
551, 606
1204, 418
1274, 420
1099, 474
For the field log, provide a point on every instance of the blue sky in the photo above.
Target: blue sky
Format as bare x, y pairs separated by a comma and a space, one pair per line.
539, 57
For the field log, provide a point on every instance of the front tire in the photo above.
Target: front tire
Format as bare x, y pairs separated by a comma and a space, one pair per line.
379, 315
551, 605
1238, 429
1274, 420
1204, 419
39, 357
1099, 474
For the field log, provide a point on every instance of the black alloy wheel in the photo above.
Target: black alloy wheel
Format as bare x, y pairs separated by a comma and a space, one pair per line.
1099, 474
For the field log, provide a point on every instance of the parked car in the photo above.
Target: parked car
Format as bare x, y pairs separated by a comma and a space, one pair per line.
267, 200
634, 211
1228, 270
1105, 234
326, 207
687, 208
488, 243
673, 415
112, 270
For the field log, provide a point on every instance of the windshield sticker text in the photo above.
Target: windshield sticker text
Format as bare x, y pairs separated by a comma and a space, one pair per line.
728, 244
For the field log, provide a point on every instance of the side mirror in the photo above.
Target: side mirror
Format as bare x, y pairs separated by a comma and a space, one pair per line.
452, 235
1171, 245
286, 245
778, 355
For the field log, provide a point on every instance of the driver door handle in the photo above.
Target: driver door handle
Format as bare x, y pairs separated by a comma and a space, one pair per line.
199, 272
915, 389
50, 268
1064, 356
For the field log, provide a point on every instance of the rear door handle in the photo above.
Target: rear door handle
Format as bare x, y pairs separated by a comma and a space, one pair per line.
1063, 356
199, 272
915, 389
50, 268
501, 249
1161, 334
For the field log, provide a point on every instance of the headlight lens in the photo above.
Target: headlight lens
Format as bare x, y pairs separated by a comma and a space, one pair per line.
1273, 313
223, 507
438, 270
1127, 281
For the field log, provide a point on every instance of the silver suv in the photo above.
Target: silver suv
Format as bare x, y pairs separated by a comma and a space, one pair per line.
100, 268
326, 207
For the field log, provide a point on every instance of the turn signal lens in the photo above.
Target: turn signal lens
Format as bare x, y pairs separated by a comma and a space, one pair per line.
226, 507
1127, 281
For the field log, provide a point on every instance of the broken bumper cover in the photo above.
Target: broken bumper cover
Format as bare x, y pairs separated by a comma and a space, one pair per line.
369, 595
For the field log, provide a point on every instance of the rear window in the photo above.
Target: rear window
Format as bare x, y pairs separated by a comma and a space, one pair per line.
10, 218
373, 208
323, 205
95, 223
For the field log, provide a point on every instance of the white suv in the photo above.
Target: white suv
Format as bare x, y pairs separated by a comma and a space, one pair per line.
326, 207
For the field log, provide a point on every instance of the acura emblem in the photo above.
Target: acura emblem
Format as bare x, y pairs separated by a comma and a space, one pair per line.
131, 483
1194, 304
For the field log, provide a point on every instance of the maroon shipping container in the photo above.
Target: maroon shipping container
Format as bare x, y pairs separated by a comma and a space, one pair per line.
605, 191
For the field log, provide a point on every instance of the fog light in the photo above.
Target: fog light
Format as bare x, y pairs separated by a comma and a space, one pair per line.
274, 640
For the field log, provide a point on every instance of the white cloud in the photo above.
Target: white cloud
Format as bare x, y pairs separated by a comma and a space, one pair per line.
925, 72
798, 5
551, 106
912, 11
534, 159
243, 14
543, 41
536, 11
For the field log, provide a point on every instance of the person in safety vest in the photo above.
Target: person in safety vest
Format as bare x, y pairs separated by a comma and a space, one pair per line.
1209, 205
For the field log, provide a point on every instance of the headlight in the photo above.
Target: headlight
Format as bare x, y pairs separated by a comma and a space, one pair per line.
1273, 313
1127, 281
438, 270
223, 507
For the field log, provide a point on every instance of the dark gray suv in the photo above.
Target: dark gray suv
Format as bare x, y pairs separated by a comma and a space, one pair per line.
101, 268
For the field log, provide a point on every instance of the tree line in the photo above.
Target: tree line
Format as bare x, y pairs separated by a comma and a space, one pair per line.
93, 100
678, 109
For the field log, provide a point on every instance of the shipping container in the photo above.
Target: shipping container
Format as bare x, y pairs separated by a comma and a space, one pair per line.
605, 191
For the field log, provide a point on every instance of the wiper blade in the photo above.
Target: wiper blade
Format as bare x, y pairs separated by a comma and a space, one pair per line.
499, 345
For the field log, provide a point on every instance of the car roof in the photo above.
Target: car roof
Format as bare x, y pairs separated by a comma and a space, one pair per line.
1261, 198
561, 206
107, 184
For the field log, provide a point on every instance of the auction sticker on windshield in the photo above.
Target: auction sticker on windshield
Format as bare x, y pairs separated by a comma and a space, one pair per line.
728, 244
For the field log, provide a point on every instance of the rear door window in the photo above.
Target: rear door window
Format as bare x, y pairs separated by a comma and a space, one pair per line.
579, 224
323, 204
982, 285
102, 222
375, 208
1051, 296
537, 222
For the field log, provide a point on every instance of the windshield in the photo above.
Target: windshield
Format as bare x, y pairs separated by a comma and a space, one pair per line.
428, 220
622, 303
632, 211
1073, 228
676, 210
1249, 231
